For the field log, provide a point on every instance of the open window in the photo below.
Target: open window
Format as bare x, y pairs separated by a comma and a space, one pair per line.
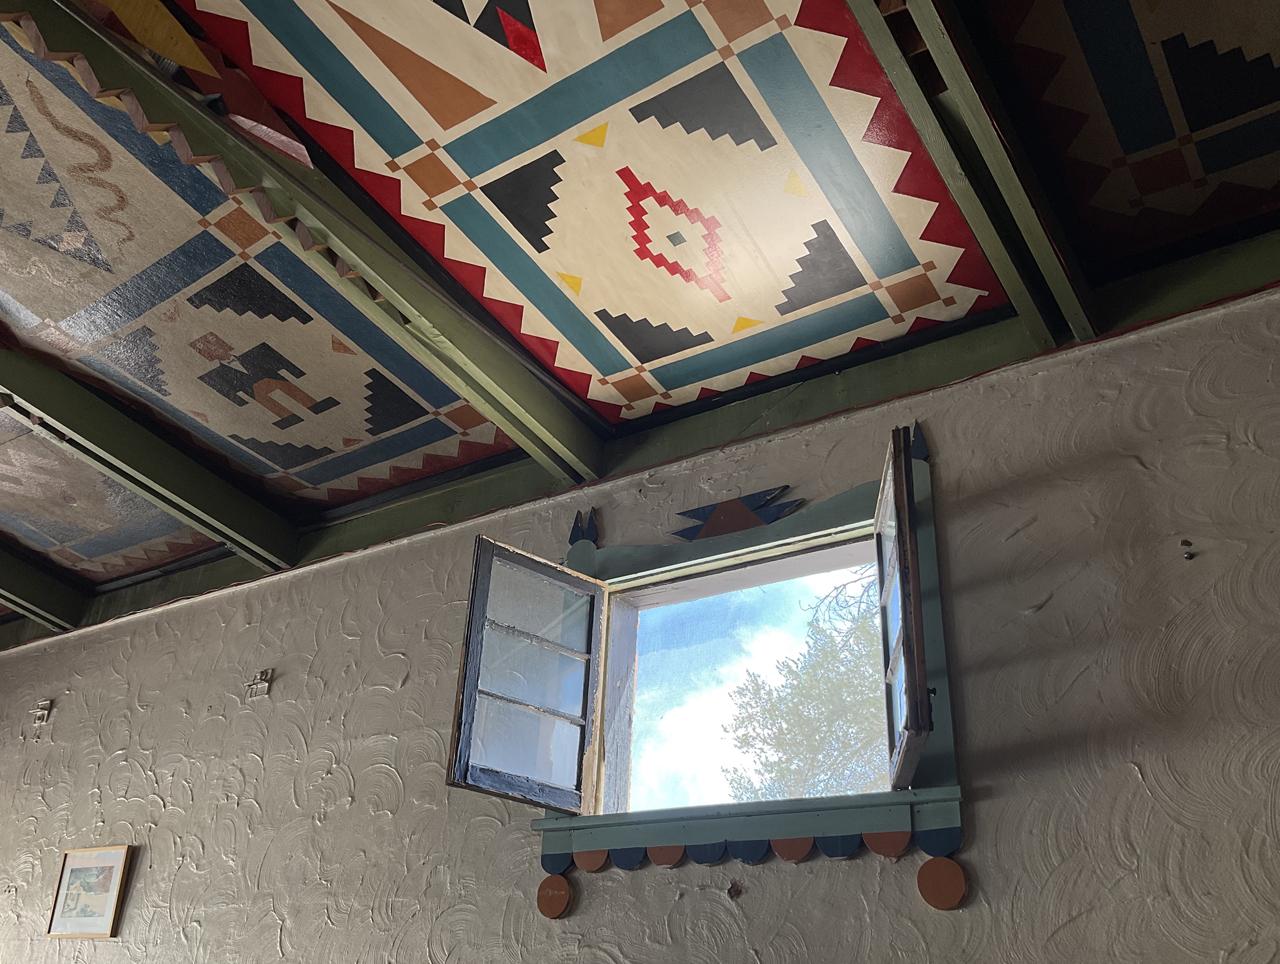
637, 690
530, 676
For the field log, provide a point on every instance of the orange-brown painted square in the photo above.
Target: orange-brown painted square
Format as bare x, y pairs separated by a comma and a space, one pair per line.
465, 417
241, 227
913, 293
737, 18
635, 388
1160, 172
431, 174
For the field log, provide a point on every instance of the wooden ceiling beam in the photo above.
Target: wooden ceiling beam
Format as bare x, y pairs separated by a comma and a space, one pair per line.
70, 416
38, 595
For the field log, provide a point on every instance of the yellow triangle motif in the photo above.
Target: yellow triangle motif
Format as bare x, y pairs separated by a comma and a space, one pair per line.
595, 137
744, 323
795, 186
572, 280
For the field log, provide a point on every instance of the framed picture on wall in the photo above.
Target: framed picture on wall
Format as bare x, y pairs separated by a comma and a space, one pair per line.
87, 902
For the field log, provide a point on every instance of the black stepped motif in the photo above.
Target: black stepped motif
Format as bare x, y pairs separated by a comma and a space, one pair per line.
648, 341
283, 454
710, 101
826, 271
136, 354
389, 406
1215, 87
244, 291
525, 197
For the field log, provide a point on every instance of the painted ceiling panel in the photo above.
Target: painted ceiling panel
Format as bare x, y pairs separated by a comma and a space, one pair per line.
1163, 118
661, 201
141, 275
69, 513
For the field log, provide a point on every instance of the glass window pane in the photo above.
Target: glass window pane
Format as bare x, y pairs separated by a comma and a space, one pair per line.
532, 673
511, 739
528, 601
893, 618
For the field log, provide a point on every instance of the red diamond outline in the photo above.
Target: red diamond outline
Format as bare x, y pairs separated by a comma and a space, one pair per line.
637, 193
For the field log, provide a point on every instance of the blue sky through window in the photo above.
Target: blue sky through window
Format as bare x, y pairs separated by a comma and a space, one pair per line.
690, 657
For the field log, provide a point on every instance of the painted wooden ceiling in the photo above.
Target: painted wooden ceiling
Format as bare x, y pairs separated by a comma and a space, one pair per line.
137, 273
1155, 122
660, 200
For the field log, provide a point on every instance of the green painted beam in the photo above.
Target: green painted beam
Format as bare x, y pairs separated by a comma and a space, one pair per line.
70, 416
454, 346
920, 369
1205, 279
971, 100
916, 103
506, 485
38, 595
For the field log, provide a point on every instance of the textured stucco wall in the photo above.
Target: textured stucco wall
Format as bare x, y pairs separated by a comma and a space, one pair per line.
1118, 711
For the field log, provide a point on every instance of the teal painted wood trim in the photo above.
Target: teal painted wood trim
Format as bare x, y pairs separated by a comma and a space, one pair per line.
16, 632
933, 802
80, 423
937, 765
618, 564
772, 820
38, 595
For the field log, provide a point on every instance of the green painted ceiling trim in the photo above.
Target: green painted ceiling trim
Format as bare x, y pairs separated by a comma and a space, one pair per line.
501, 487
85, 426
461, 354
916, 103
196, 581
456, 349
19, 631
1183, 286
920, 369
38, 595
973, 108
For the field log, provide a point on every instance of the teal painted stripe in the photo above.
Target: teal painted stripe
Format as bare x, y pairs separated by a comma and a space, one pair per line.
793, 336
568, 102
523, 272
1117, 55
344, 83
817, 138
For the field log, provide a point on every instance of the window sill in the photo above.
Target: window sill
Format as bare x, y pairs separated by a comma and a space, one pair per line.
914, 811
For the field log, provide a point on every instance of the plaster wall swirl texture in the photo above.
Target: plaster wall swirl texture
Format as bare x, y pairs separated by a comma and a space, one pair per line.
1118, 710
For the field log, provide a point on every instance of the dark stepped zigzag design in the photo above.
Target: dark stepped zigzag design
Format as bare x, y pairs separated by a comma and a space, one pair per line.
244, 291
137, 355
1215, 87
826, 271
525, 197
710, 101
648, 341
388, 405
283, 454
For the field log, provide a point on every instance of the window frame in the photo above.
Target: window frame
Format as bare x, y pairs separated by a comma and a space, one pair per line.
933, 800
462, 772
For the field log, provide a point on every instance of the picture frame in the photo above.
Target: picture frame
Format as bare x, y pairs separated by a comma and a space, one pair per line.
86, 903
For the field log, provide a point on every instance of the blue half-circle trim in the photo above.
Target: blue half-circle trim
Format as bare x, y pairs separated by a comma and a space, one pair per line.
839, 847
749, 851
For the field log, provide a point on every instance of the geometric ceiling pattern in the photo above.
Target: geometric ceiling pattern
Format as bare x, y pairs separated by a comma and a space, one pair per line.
1162, 117
659, 200
135, 272
88, 525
